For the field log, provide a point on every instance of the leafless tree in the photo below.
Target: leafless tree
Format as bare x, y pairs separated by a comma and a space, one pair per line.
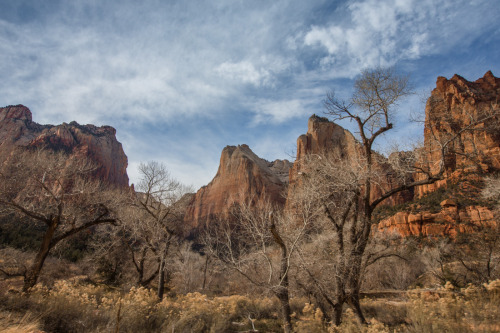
153, 221
350, 188
58, 192
258, 243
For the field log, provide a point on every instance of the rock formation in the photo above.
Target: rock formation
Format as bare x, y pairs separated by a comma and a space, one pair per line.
453, 105
97, 143
242, 177
451, 108
324, 136
450, 221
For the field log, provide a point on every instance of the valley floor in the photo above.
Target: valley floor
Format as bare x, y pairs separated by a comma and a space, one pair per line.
77, 306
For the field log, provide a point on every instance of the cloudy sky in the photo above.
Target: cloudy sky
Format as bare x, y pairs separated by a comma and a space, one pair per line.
180, 80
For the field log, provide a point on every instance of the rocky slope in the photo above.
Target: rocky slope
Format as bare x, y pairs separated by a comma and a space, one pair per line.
242, 177
97, 143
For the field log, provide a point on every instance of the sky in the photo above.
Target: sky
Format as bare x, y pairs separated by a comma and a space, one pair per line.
180, 80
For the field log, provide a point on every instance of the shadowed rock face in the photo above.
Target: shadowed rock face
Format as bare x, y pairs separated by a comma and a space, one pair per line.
242, 177
449, 109
97, 143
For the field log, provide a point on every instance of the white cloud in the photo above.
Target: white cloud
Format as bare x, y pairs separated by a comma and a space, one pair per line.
383, 32
156, 66
279, 111
245, 72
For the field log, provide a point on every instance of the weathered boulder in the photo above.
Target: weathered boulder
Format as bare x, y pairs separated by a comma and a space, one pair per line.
242, 177
97, 143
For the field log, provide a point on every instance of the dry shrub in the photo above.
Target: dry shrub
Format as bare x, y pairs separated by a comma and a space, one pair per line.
310, 321
72, 307
196, 312
391, 312
69, 308
470, 309
12, 323
351, 325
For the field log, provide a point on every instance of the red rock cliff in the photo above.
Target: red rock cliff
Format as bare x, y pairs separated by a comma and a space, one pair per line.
97, 143
450, 108
242, 176
325, 136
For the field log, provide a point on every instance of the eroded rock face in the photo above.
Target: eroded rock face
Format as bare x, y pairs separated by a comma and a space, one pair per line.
448, 222
324, 136
242, 177
450, 108
97, 143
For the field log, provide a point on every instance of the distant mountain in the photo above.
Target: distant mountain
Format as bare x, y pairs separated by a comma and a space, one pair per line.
97, 143
242, 177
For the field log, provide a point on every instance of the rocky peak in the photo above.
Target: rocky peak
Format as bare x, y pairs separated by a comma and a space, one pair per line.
97, 143
449, 109
242, 177
325, 136
15, 112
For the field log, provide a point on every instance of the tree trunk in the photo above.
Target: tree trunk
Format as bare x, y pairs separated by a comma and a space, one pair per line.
337, 313
286, 311
161, 272
205, 273
282, 289
356, 307
32, 274
161, 280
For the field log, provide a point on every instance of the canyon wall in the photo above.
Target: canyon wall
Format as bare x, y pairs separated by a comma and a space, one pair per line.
453, 106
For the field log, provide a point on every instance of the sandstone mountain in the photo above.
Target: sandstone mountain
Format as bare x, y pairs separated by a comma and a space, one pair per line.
452, 106
242, 177
97, 143
324, 136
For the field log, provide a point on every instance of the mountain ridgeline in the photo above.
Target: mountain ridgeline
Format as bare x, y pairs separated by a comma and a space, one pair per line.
243, 177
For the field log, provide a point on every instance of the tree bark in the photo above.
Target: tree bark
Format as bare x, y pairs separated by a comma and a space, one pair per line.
286, 311
32, 274
161, 272
282, 291
161, 280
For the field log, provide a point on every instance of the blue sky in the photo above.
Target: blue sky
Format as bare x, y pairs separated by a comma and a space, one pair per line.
180, 80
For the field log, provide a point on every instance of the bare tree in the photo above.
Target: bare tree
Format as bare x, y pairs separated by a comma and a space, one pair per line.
350, 188
59, 193
153, 222
258, 243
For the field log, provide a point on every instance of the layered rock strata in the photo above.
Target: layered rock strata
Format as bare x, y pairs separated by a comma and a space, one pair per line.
450, 221
452, 109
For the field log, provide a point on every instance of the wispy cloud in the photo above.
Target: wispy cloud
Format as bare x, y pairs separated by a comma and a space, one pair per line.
200, 75
383, 32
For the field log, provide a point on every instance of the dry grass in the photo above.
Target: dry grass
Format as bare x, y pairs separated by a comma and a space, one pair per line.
12, 323
70, 306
